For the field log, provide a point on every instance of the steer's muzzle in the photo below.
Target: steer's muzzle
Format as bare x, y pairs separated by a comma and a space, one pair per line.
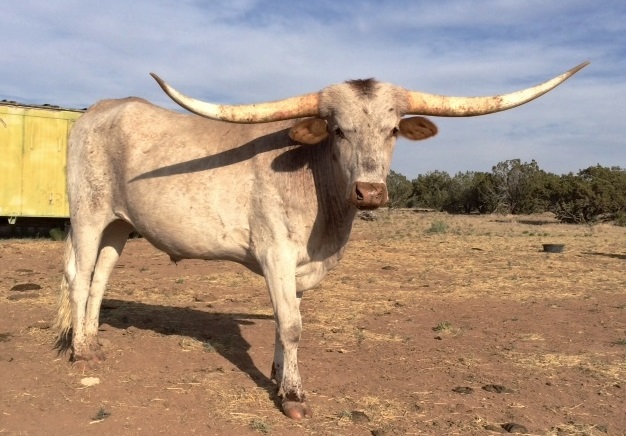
367, 195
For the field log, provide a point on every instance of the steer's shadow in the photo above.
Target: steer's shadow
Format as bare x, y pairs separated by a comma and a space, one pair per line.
218, 331
611, 255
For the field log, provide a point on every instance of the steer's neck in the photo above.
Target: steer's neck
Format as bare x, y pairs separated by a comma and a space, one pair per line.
335, 215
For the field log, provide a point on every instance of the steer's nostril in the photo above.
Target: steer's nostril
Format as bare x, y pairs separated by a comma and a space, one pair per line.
359, 194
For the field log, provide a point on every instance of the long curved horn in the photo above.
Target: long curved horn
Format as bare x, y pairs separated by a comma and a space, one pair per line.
443, 106
306, 105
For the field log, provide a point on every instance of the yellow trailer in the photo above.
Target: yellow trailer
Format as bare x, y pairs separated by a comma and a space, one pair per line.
33, 142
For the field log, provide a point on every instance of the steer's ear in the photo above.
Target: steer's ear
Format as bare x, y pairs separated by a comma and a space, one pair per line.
309, 131
416, 128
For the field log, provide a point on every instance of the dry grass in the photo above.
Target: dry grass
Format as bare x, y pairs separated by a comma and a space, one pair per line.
607, 366
492, 256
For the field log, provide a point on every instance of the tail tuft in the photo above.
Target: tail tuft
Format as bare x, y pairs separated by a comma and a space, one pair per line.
63, 319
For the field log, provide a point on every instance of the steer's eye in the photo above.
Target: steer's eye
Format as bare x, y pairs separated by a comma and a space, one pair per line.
394, 132
339, 133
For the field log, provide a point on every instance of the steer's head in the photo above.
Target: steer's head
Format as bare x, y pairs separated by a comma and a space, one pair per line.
363, 119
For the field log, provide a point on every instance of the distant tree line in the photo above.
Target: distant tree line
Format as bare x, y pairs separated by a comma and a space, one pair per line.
592, 195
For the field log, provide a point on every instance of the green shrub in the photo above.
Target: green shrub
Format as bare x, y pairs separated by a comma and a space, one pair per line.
594, 194
620, 218
399, 189
431, 190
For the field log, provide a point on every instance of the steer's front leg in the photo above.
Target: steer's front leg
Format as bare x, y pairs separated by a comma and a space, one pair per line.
278, 348
280, 275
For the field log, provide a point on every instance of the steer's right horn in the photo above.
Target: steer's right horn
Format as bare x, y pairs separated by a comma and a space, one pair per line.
421, 103
306, 105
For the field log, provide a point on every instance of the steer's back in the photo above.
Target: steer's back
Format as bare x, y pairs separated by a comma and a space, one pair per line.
195, 188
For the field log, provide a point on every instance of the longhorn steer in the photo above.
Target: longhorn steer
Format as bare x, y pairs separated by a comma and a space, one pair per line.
273, 186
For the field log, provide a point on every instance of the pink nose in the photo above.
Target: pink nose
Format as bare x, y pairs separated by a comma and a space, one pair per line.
367, 195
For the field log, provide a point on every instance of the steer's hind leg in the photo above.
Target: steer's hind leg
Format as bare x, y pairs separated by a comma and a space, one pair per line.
113, 241
95, 259
280, 274
85, 242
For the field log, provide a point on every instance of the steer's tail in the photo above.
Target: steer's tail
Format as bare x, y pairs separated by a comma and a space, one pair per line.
63, 320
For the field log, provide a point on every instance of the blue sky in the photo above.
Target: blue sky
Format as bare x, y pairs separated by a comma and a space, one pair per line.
73, 53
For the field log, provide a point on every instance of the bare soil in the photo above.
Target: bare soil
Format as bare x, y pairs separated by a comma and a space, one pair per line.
432, 324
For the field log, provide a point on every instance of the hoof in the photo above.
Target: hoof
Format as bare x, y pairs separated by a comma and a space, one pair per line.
296, 410
84, 365
89, 362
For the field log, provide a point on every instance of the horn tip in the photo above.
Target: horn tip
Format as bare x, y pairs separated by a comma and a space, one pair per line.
160, 81
579, 67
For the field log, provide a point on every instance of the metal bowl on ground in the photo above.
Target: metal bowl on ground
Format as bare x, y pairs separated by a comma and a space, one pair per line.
553, 248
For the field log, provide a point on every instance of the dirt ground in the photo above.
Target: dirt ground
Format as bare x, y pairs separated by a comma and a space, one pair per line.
432, 324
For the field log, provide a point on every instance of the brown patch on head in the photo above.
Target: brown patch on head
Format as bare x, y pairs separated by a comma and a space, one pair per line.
363, 87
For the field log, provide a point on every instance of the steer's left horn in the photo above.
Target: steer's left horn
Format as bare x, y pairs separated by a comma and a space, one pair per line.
306, 105
439, 105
